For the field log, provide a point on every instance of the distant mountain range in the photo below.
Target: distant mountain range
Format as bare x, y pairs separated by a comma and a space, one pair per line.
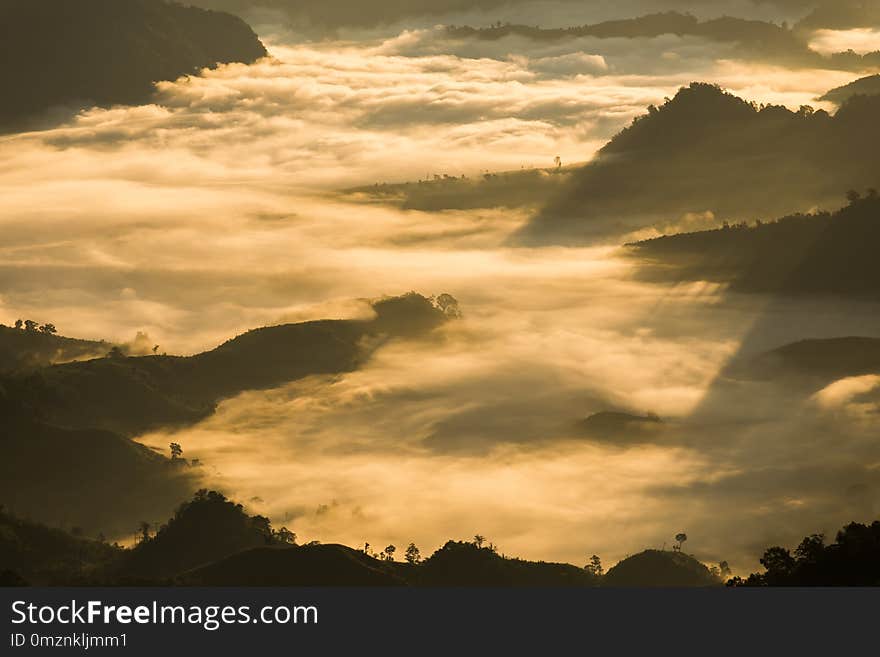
59, 53
707, 151
750, 39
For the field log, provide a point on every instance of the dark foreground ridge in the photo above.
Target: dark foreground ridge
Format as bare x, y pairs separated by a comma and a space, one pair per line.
211, 541
66, 55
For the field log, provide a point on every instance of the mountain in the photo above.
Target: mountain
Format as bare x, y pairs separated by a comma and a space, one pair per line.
25, 349
132, 395
707, 151
103, 52
207, 528
466, 564
867, 86
813, 254
656, 568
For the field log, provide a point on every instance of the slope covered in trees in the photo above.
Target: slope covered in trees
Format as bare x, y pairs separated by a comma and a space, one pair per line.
99, 52
815, 254
131, 395
707, 151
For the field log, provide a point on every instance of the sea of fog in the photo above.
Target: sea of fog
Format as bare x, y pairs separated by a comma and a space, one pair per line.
217, 210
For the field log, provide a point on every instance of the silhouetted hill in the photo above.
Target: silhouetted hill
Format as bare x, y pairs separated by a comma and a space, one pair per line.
205, 529
852, 560
31, 553
100, 52
815, 254
868, 86
464, 564
27, 349
816, 362
306, 565
656, 568
707, 151
131, 395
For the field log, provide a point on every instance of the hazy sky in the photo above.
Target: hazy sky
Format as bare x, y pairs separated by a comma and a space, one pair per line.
216, 210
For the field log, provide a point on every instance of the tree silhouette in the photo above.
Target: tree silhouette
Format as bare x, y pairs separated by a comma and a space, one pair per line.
48, 329
681, 538
144, 531
595, 566
479, 539
19, 324
30, 325
389, 553
176, 451
412, 554
284, 535
557, 161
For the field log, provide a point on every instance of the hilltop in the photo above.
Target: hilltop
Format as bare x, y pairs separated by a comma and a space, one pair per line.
660, 568
103, 52
709, 153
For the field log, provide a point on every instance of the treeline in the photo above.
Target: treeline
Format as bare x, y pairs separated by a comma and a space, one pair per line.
853, 559
212, 541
